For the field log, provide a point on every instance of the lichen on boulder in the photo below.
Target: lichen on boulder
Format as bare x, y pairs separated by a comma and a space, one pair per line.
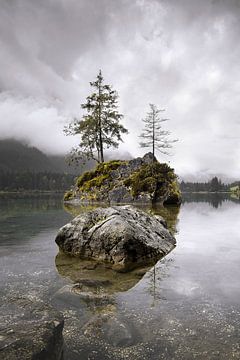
138, 180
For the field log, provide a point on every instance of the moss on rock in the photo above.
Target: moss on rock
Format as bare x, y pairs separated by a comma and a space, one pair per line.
175, 196
69, 195
141, 179
102, 171
235, 190
153, 178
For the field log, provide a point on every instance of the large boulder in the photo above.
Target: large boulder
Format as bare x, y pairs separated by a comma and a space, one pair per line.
30, 330
142, 180
123, 236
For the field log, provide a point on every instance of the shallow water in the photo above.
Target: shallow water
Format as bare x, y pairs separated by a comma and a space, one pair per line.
185, 307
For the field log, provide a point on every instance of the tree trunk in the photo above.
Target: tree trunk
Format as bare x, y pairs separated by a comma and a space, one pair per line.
153, 134
101, 146
100, 125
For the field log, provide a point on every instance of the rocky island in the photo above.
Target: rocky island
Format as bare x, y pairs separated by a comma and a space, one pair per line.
140, 180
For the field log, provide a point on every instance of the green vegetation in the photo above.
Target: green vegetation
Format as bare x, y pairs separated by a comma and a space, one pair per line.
100, 126
121, 181
235, 191
31, 181
68, 195
98, 181
98, 176
174, 193
213, 185
154, 178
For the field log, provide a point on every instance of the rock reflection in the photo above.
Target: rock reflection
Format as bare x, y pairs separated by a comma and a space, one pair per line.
95, 280
98, 288
75, 210
170, 213
95, 285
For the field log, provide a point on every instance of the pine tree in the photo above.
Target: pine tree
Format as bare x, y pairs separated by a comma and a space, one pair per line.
153, 136
100, 126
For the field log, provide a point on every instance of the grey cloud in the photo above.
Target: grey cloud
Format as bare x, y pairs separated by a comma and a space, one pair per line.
182, 55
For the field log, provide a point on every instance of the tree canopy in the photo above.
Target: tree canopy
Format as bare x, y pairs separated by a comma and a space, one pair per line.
153, 136
100, 127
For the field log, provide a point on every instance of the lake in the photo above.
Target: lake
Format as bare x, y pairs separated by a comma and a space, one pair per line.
185, 307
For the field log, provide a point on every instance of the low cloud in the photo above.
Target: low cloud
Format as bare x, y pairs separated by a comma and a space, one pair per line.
181, 55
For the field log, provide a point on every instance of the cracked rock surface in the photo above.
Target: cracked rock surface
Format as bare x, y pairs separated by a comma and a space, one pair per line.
123, 236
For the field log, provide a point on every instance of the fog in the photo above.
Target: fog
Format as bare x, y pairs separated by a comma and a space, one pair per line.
182, 55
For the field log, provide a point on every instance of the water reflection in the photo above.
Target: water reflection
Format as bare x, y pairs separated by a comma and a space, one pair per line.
98, 287
235, 197
214, 199
23, 216
20, 202
93, 280
185, 307
96, 278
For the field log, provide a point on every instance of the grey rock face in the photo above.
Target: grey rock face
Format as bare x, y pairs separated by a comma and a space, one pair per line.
30, 330
121, 235
140, 180
119, 194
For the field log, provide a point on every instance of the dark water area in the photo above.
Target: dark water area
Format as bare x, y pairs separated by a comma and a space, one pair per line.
185, 307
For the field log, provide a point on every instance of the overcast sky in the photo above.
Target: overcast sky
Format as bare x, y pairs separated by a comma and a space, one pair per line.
182, 55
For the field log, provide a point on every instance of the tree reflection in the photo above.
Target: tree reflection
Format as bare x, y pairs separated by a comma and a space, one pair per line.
216, 200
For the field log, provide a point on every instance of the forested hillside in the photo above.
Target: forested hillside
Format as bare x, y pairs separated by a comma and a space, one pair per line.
26, 168
17, 157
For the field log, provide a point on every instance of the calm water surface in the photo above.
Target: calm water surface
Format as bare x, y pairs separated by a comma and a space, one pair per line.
186, 307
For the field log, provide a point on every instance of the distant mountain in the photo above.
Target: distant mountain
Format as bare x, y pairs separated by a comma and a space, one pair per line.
18, 157
23, 167
205, 176
61, 164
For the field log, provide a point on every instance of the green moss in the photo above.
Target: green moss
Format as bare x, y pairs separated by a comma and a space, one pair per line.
68, 195
174, 193
88, 175
106, 167
95, 182
153, 178
127, 182
235, 190
99, 176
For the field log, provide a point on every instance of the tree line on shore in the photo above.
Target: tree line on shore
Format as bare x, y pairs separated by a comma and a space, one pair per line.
32, 181
214, 185
47, 181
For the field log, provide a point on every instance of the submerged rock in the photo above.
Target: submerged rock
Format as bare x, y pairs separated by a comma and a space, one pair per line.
30, 330
123, 236
94, 278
